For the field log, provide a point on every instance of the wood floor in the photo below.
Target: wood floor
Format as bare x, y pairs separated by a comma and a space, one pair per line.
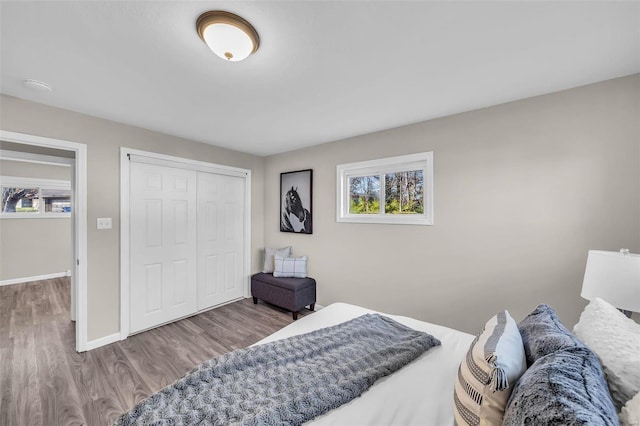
44, 381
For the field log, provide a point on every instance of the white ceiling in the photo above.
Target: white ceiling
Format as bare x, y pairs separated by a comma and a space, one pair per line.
325, 70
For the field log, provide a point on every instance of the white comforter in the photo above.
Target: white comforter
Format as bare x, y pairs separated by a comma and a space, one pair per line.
421, 393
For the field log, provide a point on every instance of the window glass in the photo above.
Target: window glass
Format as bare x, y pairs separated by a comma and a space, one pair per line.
364, 195
404, 192
23, 197
20, 200
56, 200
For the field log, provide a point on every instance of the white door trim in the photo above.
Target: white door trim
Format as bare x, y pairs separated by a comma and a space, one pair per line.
162, 159
79, 214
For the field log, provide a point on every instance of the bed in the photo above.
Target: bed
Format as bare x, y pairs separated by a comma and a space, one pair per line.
418, 394
545, 375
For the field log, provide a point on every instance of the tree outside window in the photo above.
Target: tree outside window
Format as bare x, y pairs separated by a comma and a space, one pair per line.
364, 194
404, 192
23, 200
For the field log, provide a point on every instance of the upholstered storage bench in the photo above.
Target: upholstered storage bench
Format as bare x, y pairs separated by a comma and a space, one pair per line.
292, 294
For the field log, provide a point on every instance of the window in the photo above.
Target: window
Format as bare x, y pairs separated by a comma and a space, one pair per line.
27, 197
389, 190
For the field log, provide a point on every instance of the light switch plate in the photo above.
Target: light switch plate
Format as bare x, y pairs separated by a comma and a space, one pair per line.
104, 223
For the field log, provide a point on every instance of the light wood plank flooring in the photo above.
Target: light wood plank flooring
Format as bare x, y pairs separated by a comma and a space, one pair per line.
44, 381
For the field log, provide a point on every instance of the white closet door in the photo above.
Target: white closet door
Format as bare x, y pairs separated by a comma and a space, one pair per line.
163, 244
221, 214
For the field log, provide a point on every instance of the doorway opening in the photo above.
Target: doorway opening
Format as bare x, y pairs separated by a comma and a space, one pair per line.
78, 206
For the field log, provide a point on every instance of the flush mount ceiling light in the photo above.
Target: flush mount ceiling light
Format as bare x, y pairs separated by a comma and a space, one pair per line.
228, 35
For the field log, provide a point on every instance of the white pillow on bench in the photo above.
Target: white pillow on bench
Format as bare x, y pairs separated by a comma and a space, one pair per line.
293, 267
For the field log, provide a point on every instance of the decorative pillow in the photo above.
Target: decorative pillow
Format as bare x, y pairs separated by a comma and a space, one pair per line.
295, 267
543, 333
268, 257
566, 387
630, 415
615, 339
494, 361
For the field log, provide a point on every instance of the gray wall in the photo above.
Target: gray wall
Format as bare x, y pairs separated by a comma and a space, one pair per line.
32, 247
522, 191
104, 139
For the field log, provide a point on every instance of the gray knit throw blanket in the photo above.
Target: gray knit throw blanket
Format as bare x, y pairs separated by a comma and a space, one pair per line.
286, 382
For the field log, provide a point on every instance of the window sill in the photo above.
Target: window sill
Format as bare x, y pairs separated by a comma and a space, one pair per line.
35, 216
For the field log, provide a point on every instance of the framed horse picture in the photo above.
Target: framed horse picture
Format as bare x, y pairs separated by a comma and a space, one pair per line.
295, 201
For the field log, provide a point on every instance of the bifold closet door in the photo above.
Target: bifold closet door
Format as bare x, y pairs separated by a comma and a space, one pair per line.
221, 233
162, 244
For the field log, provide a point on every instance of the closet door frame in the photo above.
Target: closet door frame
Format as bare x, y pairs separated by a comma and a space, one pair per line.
188, 164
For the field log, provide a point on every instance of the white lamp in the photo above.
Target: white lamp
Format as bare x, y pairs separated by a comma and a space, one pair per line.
614, 277
228, 35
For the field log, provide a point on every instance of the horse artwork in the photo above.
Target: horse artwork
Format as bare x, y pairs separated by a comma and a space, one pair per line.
294, 216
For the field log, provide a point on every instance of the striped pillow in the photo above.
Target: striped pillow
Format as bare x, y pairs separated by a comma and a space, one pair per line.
295, 267
494, 363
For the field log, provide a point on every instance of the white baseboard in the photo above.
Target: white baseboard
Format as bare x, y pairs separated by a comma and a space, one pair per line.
36, 278
103, 341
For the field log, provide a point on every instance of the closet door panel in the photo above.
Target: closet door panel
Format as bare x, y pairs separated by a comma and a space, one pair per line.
221, 213
163, 243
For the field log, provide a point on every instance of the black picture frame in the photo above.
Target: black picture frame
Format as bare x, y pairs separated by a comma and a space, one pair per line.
296, 201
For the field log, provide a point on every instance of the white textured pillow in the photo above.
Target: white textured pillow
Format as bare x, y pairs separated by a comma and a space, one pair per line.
630, 415
494, 363
615, 339
295, 267
268, 257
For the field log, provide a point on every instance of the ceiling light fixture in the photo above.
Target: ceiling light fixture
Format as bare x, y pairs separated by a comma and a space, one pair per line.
228, 35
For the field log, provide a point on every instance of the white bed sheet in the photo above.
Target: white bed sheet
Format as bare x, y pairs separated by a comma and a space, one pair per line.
421, 393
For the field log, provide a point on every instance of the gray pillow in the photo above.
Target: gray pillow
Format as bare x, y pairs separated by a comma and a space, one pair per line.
543, 333
566, 387
269, 253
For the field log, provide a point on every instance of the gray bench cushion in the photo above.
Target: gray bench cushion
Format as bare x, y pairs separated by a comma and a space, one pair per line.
292, 284
292, 294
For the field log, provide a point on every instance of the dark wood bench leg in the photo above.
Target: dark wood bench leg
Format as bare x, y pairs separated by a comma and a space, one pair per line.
255, 300
294, 315
312, 307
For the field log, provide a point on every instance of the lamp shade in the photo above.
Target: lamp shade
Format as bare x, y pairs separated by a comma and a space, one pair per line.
614, 277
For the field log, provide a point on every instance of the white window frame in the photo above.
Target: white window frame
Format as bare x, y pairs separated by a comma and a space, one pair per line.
420, 161
23, 182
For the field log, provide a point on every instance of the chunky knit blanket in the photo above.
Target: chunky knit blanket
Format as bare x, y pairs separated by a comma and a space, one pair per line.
287, 381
